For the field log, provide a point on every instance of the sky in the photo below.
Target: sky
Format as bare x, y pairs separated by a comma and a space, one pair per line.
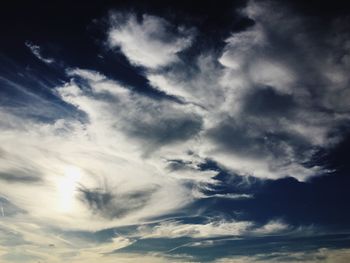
173, 131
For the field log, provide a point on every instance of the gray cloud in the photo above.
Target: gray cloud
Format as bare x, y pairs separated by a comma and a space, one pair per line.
266, 102
11, 238
111, 204
167, 130
279, 77
20, 176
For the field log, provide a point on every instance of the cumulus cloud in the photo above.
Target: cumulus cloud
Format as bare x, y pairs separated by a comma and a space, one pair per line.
150, 41
283, 117
265, 105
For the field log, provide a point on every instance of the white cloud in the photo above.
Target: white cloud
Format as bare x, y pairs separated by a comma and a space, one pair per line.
37, 242
151, 42
318, 255
86, 74
271, 227
199, 194
259, 115
112, 168
128, 139
214, 228
35, 49
100, 173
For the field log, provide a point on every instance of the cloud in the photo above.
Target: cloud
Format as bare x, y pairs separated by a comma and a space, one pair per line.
261, 106
214, 228
247, 107
319, 255
110, 204
266, 105
225, 196
279, 118
35, 49
150, 42
19, 176
272, 227
196, 83
211, 229
106, 169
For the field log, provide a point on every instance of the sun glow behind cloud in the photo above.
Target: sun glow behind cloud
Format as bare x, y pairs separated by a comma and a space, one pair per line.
67, 188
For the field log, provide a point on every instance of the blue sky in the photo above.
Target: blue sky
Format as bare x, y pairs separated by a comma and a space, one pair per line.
170, 132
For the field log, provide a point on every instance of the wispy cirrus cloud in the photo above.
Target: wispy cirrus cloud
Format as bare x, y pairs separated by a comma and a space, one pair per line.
319, 255
215, 228
109, 167
35, 49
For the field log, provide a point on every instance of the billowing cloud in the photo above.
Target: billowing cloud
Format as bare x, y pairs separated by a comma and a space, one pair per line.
150, 41
266, 106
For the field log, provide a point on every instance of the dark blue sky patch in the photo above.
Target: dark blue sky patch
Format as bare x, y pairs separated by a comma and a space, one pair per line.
321, 201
